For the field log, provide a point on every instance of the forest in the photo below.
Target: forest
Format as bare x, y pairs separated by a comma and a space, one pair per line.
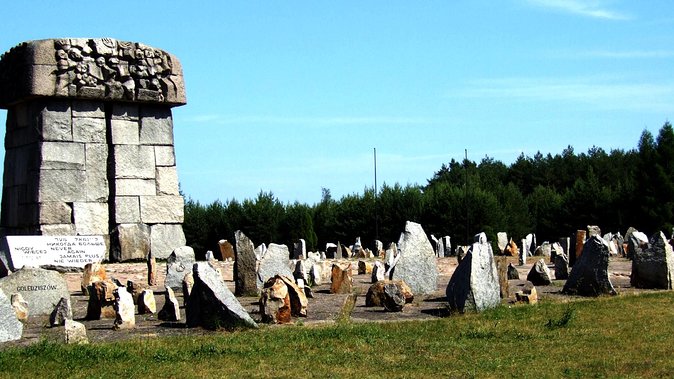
549, 195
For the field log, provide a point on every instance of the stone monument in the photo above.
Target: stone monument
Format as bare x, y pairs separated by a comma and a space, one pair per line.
89, 143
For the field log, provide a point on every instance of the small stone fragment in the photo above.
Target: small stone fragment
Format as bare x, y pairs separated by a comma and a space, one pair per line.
528, 295
540, 274
101, 300
342, 281
151, 269
513, 274
93, 272
171, 309
75, 332
62, 312
147, 303
125, 317
20, 307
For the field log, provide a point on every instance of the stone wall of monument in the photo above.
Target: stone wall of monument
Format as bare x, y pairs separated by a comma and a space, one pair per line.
89, 143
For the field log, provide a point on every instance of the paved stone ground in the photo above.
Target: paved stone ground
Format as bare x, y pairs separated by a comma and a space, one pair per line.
323, 308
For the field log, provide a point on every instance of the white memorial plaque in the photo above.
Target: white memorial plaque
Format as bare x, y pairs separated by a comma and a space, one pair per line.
67, 251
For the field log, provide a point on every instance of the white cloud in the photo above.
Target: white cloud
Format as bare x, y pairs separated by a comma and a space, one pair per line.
596, 92
586, 8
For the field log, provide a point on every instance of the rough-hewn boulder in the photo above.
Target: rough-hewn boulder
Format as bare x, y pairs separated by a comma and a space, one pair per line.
474, 286
416, 265
178, 263
540, 274
211, 304
245, 274
276, 261
275, 302
342, 280
589, 276
653, 267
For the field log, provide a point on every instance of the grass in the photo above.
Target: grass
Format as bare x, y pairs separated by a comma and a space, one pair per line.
623, 336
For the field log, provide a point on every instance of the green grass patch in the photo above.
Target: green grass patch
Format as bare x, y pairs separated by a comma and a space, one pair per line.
623, 336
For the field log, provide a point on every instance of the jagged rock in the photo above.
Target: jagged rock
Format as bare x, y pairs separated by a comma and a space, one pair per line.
416, 265
342, 281
93, 272
276, 261
20, 307
580, 242
461, 252
511, 249
544, 250
11, 328
147, 302
211, 304
101, 300
480, 237
125, 317
177, 265
513, 274
331, 251
275, 302
226, 250
383, 294
636, 243
298, 298
593, 230
41, 288
245, 275
74, 332
589, 276
62, 312
387, 294
378, 271
171, 309
653, 267
316, 275
555, 251
364, 268
300, 249
561, 266
135, 289
151, 269
502, 241
523, 253
540, 274
502, 269
210, 257
528, 295
474, 286
188, 283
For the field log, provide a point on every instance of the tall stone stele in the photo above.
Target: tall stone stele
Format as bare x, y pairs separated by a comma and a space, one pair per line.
89, 143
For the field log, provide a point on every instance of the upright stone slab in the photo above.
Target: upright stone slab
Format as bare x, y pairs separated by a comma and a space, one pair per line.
539, 274
474, 286
589, 276
178, 264
502, 241
561, 266
245, 275
89, 143
653, 267
276, 261
11, 328
42, 289
416, 264
447, 244
300, 249
211, 304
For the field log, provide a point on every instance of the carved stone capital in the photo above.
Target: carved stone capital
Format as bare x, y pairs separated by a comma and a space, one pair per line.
90, 68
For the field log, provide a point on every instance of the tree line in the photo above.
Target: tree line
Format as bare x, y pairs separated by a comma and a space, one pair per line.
549, 195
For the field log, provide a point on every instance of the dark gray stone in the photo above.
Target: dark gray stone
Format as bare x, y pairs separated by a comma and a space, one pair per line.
561, 266
540, 274
11, 328
474, 286
62, 312
589, 276
416, 264
211, 304
42, 289
275, 261
513, 274
653, 267
245, 275
178, 264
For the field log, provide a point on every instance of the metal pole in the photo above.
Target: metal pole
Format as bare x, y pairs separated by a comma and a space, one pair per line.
376, 190
465, 194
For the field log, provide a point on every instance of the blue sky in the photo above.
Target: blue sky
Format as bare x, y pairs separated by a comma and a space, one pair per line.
292, 96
